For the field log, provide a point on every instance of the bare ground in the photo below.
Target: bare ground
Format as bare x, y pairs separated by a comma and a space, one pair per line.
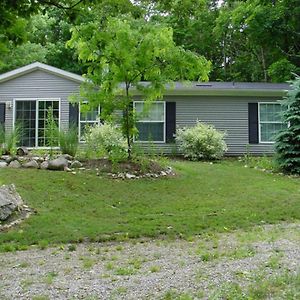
201, 268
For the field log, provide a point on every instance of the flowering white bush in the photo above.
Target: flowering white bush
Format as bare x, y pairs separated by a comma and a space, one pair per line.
106, 140
201, 141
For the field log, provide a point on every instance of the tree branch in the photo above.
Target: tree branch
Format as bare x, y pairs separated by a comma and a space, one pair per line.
58, 5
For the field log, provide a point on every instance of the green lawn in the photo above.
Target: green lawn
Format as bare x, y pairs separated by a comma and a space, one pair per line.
203, 197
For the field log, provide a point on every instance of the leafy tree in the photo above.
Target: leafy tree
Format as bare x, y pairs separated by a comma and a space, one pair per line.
122, 55
288, 141
281, 70
15, 14
255, 34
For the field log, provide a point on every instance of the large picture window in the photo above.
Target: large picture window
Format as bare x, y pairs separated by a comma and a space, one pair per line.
30, 116
87, 119
270, 121
150, 121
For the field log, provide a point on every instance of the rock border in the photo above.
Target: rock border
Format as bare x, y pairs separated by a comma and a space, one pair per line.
67, 163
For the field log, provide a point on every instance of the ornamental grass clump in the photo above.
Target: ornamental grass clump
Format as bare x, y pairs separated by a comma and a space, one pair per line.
9, 141
68, 141
201, 142
106, 140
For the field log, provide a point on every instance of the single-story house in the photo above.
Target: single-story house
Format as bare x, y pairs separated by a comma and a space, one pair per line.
248, 112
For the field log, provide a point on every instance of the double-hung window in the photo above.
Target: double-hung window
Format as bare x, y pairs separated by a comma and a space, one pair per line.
270, 121
151, 121
87, 118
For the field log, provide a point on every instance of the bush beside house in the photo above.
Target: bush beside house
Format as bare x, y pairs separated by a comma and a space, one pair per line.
201, 142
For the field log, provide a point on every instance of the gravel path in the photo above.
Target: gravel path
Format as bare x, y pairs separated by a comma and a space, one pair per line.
155, 269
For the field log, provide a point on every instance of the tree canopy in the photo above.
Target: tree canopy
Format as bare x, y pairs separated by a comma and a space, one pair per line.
246, 40
124, 55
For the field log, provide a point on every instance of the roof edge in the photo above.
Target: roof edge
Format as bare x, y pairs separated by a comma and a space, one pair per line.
39, 66
221, 92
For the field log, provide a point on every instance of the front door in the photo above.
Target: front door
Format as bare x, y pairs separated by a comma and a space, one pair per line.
31, 119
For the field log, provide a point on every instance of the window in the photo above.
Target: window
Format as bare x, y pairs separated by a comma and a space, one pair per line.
30, 116
87, 119
270, 122
150, 121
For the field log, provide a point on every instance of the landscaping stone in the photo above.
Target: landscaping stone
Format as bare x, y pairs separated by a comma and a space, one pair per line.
22, 151
67, 157
44, 165
9, 158
32, 164
3, 164
39, 159
76, 164
58, 164
14, 164
10, 201
130, 176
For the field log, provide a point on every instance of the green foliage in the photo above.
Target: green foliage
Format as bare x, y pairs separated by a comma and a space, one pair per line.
281, 70
68, 140
261, 162
9, 141
51, 131
124, 53
245, 40
201, 141
106, 140
288, 141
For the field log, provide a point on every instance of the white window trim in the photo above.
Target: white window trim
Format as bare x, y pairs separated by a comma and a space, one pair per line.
37, 100
98, 121
164, 122
263, 122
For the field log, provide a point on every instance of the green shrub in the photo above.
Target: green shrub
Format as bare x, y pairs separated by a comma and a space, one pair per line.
106, 140
288, 140
201, 141
68, 141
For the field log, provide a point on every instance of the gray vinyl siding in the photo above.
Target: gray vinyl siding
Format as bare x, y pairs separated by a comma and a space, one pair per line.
229, 114
226, 113
38, 84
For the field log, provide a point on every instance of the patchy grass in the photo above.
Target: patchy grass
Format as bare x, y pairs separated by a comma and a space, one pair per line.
263, 286
202, 198
49, 278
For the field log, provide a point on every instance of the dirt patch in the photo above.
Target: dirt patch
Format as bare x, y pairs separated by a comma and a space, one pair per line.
203, 268
133, 167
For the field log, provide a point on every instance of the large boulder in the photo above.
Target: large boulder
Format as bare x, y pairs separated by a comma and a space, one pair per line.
58, 164
44, 165
10, 201
3, 164
14, 164
31, 164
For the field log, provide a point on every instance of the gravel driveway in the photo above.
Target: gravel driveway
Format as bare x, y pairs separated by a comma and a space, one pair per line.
151, 269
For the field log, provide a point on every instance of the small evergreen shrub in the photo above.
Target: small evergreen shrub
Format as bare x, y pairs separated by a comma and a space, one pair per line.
68, 141
106, 140
201, 141
288, 140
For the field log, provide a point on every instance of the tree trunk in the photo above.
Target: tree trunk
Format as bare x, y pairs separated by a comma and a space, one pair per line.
128, 123
263, 61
